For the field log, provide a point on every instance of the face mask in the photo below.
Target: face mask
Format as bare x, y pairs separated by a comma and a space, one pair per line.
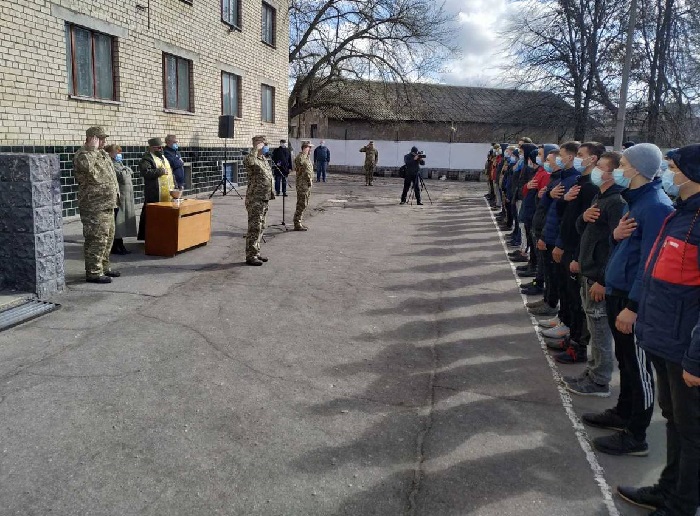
597, 177
538, 160
664, 166
119, 158
559, 162
578, 164
620, 179
512, 160
669, 186
283, 145
265, 149
174, 146
548, 168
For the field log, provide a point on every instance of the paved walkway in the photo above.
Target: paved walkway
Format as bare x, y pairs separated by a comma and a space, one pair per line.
380, 364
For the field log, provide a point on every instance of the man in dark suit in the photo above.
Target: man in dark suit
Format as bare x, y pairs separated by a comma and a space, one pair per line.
282, 157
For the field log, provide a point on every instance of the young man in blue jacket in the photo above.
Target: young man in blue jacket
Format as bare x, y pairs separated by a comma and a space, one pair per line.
669, 331
648, 206
554, 271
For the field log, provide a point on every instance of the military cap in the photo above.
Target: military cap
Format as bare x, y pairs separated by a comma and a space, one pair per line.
155, 142
259, 138
306, 143
96, 131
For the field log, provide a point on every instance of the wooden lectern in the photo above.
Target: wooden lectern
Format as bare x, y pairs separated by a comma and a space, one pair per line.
171, 228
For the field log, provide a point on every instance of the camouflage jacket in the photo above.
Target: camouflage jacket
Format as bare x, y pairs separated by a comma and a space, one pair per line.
98, 189
304, 169
371, 155
260, 180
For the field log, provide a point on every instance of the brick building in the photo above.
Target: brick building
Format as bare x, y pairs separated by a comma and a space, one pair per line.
142, 68
359, 110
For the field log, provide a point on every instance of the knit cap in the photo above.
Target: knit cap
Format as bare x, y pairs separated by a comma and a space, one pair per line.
688, 160
645, 158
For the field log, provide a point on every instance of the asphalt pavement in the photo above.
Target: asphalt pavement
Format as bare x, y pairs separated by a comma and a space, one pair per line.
381, 363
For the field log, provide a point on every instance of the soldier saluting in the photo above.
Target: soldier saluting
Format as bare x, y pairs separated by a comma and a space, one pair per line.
305, 173
371, 158
258, 192
98, 196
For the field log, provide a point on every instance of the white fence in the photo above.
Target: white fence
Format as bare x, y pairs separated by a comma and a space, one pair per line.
448, 156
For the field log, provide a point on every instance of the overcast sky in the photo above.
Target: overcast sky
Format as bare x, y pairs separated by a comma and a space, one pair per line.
480, 45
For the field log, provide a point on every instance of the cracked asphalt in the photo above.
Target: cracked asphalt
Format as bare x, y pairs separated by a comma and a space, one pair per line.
381, 363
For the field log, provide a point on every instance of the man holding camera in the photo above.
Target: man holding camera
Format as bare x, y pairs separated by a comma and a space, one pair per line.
412, 163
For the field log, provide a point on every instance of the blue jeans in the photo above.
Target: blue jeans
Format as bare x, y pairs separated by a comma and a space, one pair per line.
280, 180
321, 170
600, 359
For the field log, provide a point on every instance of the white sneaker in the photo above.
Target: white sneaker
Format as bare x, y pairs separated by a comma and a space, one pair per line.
558, 332
550, 323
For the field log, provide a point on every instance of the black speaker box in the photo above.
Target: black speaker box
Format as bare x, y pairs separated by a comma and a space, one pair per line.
226, 126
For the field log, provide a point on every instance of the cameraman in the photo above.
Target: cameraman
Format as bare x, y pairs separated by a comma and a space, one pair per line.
412, 163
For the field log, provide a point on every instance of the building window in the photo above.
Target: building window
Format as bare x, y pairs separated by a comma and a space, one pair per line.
314, 131
230, 94
269, 24
268, 103
177, 83
231, 12
90, 62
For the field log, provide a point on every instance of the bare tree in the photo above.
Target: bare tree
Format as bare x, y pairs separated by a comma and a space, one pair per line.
378, 40
564, 47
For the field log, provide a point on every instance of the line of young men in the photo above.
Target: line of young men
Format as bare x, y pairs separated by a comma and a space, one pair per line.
616, 264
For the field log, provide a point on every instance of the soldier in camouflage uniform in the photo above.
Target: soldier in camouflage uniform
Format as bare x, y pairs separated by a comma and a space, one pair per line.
98, 196
258, 193
305, 173
371, 158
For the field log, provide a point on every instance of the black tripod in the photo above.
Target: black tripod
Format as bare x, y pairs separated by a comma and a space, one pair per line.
224, 178
422, 187
284, 197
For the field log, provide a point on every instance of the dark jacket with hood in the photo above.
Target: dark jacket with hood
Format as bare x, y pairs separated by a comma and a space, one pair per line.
543, 204
596, 236
669, 303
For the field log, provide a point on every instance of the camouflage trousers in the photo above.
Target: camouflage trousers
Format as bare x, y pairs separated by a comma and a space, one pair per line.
257, 219
98, 230
302, 202
369, 174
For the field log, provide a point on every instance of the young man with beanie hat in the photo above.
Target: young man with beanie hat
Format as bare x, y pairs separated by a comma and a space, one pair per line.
633, 240
669, 331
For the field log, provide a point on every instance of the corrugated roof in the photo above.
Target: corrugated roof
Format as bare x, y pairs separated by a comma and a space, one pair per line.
381, 102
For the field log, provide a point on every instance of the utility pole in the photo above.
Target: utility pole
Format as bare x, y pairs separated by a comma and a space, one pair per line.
622, 108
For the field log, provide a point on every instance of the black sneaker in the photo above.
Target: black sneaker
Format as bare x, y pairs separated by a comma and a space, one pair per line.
573, 354
609, 419
621, 443
113, 273
522, 268
536, 291
649, 497
98, 279
527, 274
253, 261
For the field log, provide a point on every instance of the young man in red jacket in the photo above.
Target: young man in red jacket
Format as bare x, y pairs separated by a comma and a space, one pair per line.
669, 331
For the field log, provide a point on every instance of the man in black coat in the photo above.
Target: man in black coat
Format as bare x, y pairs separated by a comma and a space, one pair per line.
177, 165
282, 157
412, 161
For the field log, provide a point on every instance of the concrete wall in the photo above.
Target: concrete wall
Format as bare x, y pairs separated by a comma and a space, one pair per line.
445, 156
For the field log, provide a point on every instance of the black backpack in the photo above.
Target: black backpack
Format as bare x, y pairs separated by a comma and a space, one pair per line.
402, 171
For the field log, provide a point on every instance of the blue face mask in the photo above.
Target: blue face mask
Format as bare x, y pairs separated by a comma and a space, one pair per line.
664, 166
559, 162
668, 185
548, 168
512, 160
620, 179
265, 149
119, 158
597, 177
174, 146
578, 164
538, 160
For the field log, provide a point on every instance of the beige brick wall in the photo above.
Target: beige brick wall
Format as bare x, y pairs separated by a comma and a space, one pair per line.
35, 108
